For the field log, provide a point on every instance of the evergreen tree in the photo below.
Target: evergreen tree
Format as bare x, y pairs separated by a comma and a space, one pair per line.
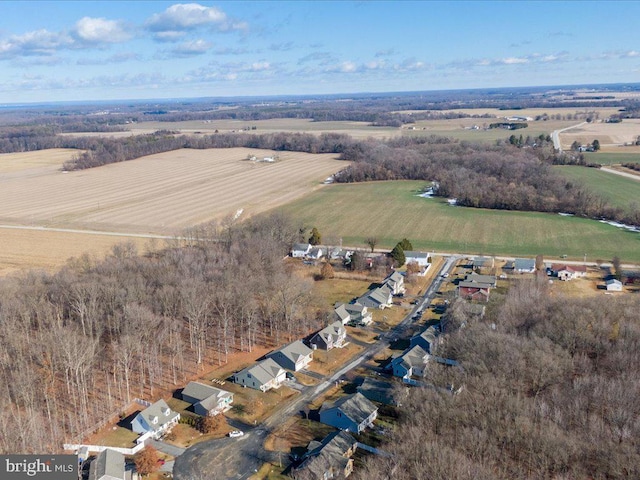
315, 238
398, 255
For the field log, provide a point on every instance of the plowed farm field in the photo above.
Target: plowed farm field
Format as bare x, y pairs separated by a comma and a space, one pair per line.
158, 194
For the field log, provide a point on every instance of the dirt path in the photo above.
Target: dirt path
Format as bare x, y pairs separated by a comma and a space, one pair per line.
633, 176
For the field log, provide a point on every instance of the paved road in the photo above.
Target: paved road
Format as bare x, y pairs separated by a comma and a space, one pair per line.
233, 458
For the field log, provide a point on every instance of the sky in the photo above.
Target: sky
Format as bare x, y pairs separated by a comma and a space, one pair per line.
90, 50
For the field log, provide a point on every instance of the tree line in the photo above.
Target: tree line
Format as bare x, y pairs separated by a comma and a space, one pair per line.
78, 345
547, 388
501, 176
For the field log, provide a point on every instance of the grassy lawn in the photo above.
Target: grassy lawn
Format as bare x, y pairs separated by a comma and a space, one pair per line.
115, 436
609, 158
391, 210
327, 362
251, 405
618, 190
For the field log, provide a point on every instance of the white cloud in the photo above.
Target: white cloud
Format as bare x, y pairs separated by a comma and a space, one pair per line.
195, 47
183, 17
101, 30
38, 42
514, 60
260, 66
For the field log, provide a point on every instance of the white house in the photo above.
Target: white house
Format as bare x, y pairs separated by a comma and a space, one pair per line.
332, 336
300, 250
614, 285
157, 418
421, 258
395, 282
263, 376
294, 356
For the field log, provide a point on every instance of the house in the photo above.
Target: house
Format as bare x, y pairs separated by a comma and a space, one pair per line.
263, 376
488, 279
294, 356
158, 418
614, 285
411, 363
421, 258
340, 254
378, 391
300, 250
476, 287
341, 314
380, 297
352, 413
207, 400
524, 265
108, 465
329, 337
358, 313
395, 282
480, 263
568, 272
315, 253
330, 458
426, 339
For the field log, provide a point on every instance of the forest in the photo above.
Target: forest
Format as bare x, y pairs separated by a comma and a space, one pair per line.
547, 388
77, 346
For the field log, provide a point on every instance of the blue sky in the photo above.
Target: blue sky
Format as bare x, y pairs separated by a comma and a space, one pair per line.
75, 51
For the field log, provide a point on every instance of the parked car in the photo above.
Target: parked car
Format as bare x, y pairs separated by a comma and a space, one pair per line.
445, 275
236, 433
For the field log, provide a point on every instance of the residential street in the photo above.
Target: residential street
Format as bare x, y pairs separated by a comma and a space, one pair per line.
231, 458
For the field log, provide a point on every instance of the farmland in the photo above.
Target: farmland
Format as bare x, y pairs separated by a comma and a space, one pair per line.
619, 191
161, 193
608, 134
391, 211
613, 158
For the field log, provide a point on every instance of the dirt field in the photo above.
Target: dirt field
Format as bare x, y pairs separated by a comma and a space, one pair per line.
156, 194
25, 249
35, 162
161, 193
608, 134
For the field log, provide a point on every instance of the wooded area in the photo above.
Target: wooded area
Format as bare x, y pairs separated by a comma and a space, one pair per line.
547, 388
77, 346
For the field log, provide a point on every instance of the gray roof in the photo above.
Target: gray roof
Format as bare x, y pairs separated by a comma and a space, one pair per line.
264, 371
160, 411
613, 281
379, 295
331, 452
199, 390
429, 335
413, 254
355, 407
294, 351
474, 277
356, 307
342, 313
394, 276
481, 261
208, 396
412, 357
301, 246
466, 284
334, 330
524, 264
108, 465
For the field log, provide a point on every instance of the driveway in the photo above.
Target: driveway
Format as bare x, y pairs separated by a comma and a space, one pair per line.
166, 448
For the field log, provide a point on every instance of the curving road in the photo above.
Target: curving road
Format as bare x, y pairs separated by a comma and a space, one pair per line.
555, 136
239, 458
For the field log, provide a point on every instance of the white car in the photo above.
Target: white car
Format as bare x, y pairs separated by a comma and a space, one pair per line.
236, 433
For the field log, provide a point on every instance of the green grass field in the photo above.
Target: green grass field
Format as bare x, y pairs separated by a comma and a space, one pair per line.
391, 211
607, 158
619, 191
